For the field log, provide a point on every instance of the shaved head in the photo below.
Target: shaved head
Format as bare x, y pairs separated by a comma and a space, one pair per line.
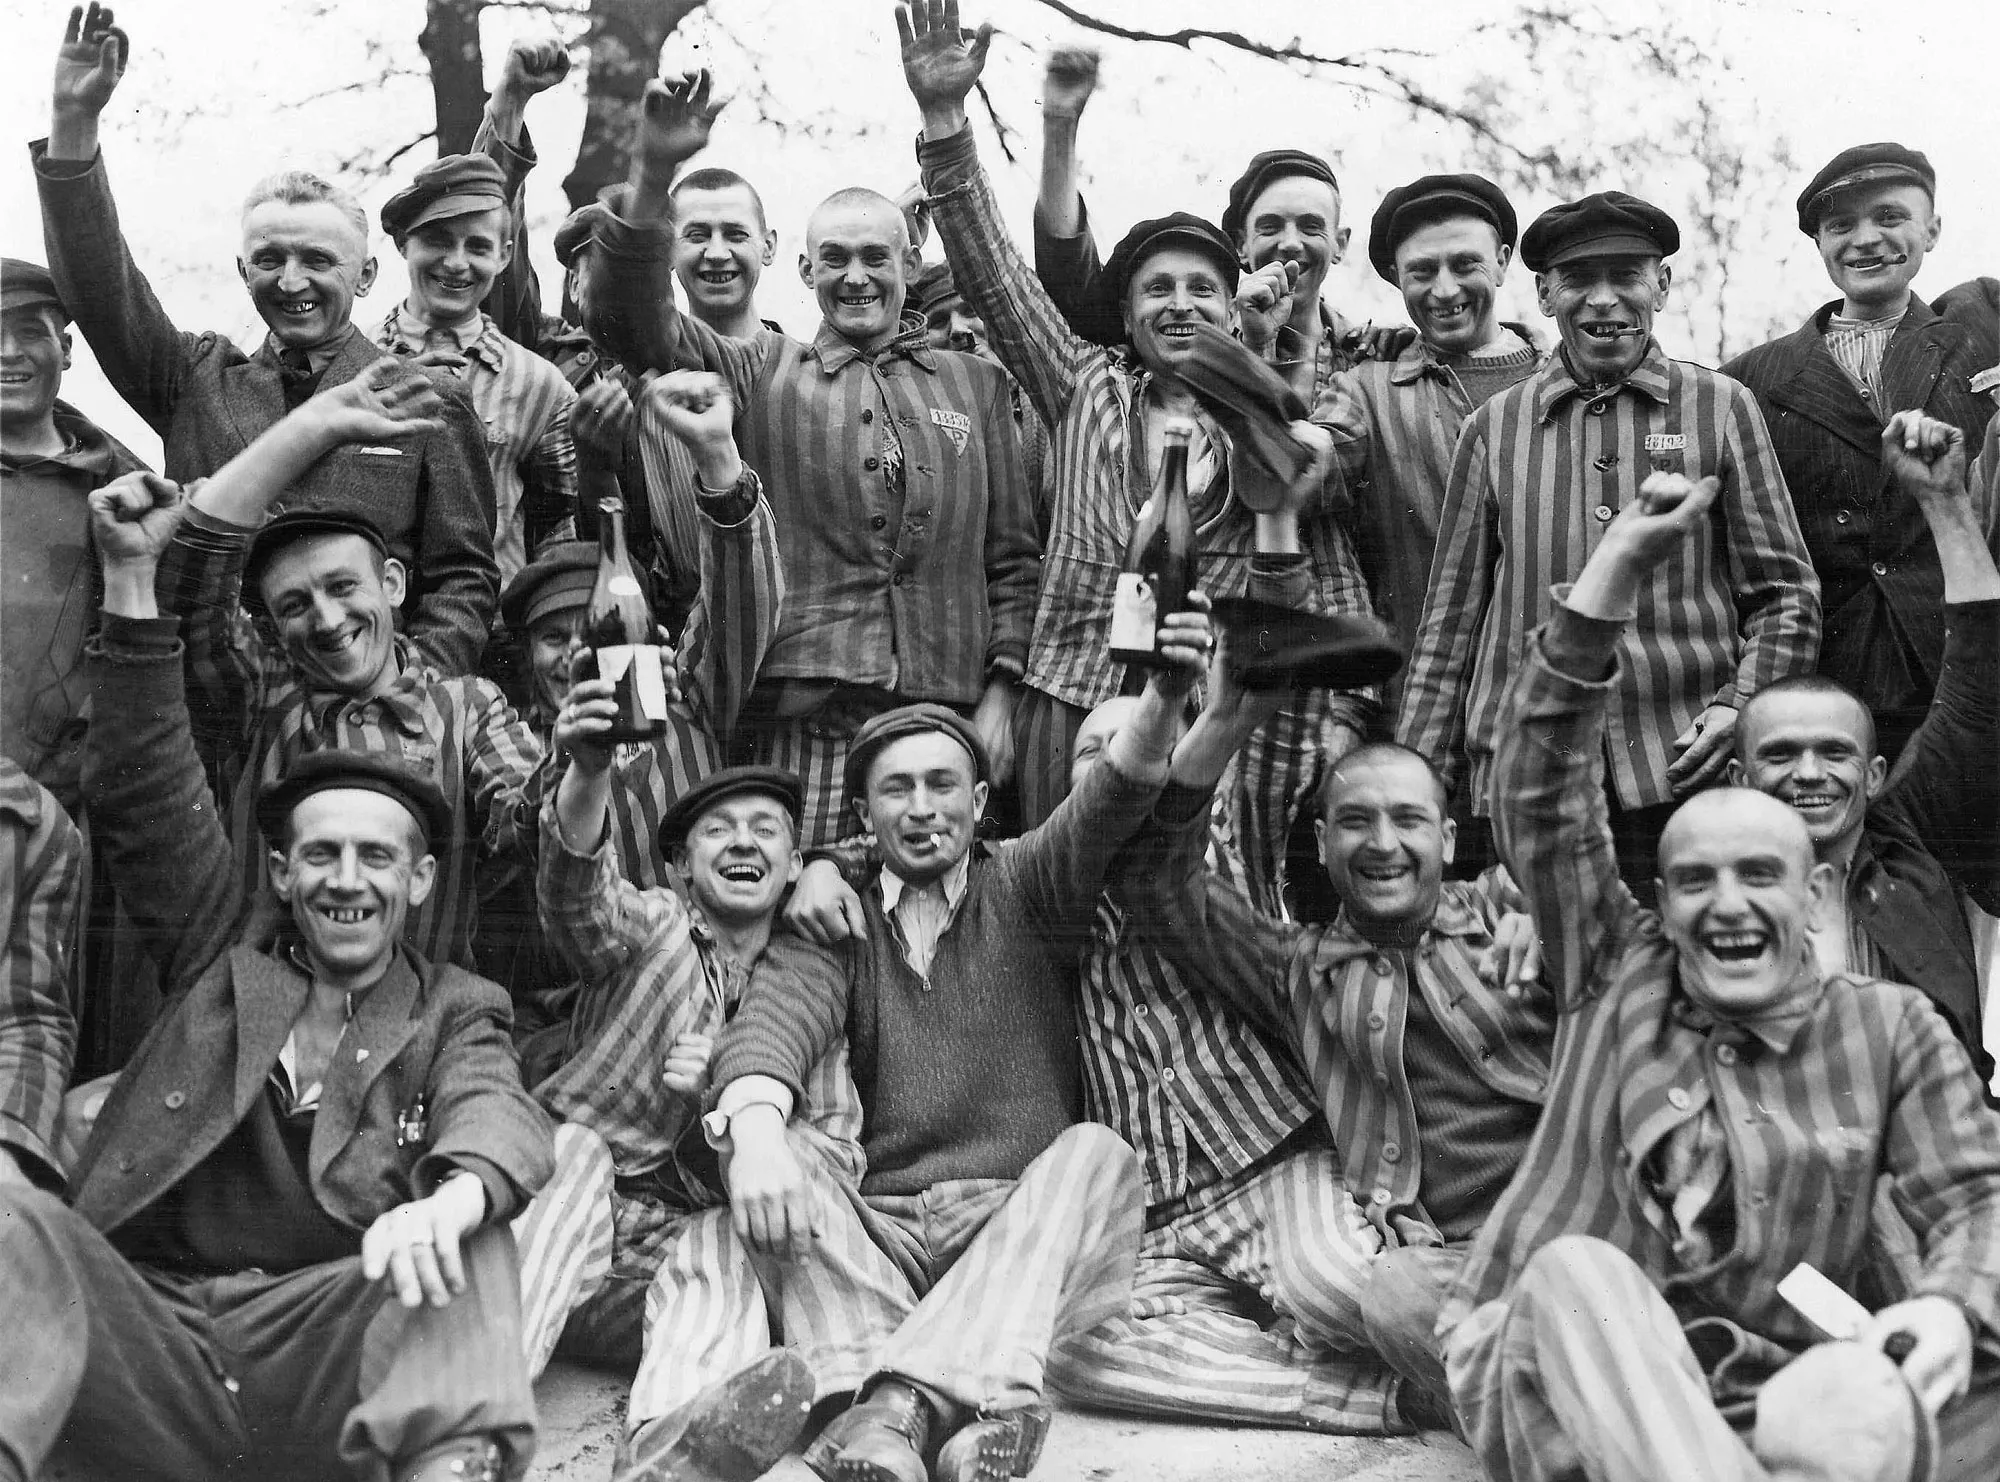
1737, 809
858, 200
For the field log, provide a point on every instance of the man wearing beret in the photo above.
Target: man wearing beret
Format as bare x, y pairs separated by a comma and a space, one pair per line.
51, 457
893, 469
1107, 411
304, 261
1445, 242
1827, 390
998, 1224
284, 1246
1544, 467
452, 226
322, 667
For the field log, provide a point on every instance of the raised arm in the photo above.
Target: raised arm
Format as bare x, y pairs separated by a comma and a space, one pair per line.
1027, 331
1066, 257
533, 65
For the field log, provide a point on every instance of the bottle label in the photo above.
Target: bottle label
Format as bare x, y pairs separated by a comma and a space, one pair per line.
1135, 614
649, 680
624, 585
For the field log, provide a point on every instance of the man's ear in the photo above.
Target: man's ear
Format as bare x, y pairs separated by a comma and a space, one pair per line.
1733, 775
423, 875
980, 792
770, 252
795, 864
1503, 258
1450, 833
1873, 779
1660, 292
278, 865
243, 271
1820, 884
1937, 225
805, 270
1340, 240
367, 279
1545, 294
506, 253
63, 336
1319, 841
395, 581
860, 806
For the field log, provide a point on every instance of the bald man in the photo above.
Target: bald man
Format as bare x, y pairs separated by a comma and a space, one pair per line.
1720, 1112
894, 471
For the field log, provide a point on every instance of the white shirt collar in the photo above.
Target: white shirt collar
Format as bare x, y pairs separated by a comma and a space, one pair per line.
893, 885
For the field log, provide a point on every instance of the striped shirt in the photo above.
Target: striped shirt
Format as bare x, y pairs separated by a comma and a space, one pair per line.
1863, 1080
1394, 426
1859, 346
1539, 472
1344, 1004
524, 404
1093, 402
253, 719
41, 888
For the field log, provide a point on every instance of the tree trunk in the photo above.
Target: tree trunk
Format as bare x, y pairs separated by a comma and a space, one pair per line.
450, 43
624, 40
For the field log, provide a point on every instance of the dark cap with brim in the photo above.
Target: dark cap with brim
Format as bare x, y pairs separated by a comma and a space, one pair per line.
1273, 647
1272, 164
1607, 224
1181, 229
29, 285
1864, 164
283, 529
558, 579
1251, 402
774, 782
1435, 198
910, 720
456, 185
362, 771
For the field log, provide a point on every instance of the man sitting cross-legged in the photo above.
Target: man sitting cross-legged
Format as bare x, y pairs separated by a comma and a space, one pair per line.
996, 1223
1720, 1111
284, 1244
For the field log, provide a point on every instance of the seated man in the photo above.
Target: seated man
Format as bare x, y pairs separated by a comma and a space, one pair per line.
323, 667
1903, 842
304, 261
309, 1160
893, 470
997, 1225
38, 913
51, 457
1719, 1113
1542, 468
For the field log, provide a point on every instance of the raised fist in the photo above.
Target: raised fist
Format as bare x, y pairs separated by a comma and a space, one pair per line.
534, 66
1068, 79
133, 517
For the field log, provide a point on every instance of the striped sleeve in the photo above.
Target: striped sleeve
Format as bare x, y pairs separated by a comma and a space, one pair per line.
736, 616
1013, 550
1777, 592
792, 1012
503, 756
596, 919
41, 886
1461, 587
1550, 810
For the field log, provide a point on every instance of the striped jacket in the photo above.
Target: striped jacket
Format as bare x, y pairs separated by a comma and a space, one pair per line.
41, 889
253, 719
524, 405
1815, 1106
1093, 403
1540, 470
1343, 1004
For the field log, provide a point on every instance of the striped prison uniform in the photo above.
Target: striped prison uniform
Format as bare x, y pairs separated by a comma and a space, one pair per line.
741, 592
1855, 1079
968, 1077
253, 718
41, 891
524, 405
633, 1231
1094, 404
1540, 471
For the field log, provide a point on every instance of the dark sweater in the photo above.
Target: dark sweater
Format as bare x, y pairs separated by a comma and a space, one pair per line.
973, 1074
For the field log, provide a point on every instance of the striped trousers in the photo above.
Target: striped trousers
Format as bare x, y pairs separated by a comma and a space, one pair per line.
1197, 1340
1583, 1371
815, 746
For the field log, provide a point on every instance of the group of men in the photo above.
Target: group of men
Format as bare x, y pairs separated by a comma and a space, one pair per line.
934, 1016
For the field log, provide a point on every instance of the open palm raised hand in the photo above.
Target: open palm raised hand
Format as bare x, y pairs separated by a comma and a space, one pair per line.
677, 118
940, 62
91, 60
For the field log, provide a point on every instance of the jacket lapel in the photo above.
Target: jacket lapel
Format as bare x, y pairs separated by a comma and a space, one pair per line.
1914, 359
385, 1018
355, 356
1820, 391
253, 395
269, 999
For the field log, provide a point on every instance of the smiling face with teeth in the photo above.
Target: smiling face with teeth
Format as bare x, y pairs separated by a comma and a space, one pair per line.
1740, 894
304, 264
1873, 239
34, 353
1172, 291
738, 857
1603, 308
1296, 218
721, 248
922, 804
353, 868
1812, 745
1385, 838
333, 600
858, 262
453, 262
1450, 272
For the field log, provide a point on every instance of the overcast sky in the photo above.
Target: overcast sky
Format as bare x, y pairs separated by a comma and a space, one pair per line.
222, 91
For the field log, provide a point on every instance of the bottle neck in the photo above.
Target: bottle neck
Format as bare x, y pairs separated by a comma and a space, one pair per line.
611, 532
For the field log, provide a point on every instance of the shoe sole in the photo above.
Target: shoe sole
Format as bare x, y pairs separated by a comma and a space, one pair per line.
734, 1447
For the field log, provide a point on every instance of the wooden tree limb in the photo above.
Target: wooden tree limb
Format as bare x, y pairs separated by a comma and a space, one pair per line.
450, 43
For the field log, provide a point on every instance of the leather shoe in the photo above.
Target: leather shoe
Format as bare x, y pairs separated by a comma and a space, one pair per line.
734, 1431
461, 1459
991, 1447
882, 1438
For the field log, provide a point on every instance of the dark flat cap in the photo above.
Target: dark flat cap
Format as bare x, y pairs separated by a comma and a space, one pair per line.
1249, 400
296, 524
1434, 198
559, 578
365, 771
1607, 224
1272, 647
1864, 164
579, 230
456, 185
910, 720
773, 782
1272, 164
1181, 229
27, 285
